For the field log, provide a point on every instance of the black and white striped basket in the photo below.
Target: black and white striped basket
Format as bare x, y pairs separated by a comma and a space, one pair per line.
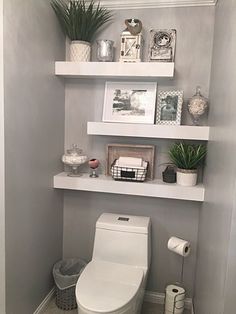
129, 173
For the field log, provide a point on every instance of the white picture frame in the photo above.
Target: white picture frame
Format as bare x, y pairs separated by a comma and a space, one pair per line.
130, 102
169, 107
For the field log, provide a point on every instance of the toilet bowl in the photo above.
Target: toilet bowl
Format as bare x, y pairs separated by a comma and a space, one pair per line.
114, 281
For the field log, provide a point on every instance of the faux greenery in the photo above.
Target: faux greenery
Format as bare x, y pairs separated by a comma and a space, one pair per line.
186, 156
80, 20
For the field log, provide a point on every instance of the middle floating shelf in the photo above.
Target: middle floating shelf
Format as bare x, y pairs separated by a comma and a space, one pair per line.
185, 132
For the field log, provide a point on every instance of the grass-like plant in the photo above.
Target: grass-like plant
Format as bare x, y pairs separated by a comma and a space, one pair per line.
187, 156
80, 20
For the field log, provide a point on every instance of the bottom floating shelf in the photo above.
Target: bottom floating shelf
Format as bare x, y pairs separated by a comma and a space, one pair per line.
105, 184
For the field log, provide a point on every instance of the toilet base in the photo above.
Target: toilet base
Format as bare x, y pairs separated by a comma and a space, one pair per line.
134, 307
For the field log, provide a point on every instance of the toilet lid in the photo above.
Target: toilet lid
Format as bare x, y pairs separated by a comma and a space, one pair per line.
106, 287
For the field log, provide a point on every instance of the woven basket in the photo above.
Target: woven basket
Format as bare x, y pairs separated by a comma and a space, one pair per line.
65, 299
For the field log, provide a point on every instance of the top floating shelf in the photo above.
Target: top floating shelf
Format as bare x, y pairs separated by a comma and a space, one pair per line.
115, 69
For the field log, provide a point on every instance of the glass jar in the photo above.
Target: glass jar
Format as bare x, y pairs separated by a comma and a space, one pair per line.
197, 106
74, 157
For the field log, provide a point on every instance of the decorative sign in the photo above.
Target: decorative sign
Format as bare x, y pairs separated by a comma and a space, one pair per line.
162, 45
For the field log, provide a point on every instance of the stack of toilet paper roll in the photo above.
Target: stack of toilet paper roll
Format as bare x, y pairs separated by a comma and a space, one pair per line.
174, 300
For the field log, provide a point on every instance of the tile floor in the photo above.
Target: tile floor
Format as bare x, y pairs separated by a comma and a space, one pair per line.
148, 308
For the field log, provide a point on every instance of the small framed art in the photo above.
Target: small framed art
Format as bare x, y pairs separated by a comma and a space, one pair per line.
162, 45
130, 102
169, 107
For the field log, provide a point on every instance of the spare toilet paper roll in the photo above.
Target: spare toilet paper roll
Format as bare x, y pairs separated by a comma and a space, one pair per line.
174, 299
130, 161
179, 246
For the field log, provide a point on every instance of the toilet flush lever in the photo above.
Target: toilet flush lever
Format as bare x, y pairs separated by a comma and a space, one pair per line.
123, 218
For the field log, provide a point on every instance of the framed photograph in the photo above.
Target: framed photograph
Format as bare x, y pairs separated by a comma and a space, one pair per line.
130, 102
169, 107
162, 45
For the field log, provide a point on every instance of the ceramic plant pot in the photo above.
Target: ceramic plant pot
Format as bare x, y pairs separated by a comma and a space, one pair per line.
80, 51
186, 177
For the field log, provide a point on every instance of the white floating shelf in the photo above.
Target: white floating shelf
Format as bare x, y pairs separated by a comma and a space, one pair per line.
115, 69
105, 184
149, 130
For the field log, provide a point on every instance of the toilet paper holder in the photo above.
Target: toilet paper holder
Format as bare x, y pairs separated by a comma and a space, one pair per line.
175, 294
180, 247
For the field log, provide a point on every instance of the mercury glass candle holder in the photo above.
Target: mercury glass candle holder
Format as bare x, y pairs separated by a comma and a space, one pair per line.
105, 50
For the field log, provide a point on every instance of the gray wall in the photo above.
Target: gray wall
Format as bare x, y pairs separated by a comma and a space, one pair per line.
216, 262
84, 101
2, 171
34, 131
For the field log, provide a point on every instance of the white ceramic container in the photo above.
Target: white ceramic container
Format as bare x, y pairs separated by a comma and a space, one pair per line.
80, 51
186, 177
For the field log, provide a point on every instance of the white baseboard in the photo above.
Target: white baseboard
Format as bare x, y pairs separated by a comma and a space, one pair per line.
154, 297
151, 297
44, 304
159, 298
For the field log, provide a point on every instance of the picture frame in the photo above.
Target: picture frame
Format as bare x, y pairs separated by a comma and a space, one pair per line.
130, 102
169, 107
162, 45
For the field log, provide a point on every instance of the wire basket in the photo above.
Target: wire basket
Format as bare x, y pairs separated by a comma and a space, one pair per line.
65, 299
129, 173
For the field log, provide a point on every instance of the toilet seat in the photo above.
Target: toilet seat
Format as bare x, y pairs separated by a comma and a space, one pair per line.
105, 287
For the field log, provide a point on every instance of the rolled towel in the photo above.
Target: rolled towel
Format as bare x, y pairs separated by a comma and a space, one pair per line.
130, 161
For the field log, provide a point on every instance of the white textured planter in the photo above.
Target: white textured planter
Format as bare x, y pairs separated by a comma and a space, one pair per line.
186, 177
80, 51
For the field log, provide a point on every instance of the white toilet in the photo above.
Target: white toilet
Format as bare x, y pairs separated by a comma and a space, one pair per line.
114, 281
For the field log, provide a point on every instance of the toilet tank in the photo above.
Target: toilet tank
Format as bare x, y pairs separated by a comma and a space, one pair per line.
123, 239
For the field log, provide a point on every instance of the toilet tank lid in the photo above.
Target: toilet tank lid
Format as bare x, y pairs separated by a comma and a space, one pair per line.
124, 223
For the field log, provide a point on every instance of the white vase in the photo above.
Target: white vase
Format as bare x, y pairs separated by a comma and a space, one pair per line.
186, 177
80, 51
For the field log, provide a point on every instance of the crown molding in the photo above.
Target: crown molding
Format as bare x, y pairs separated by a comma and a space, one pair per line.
145, 4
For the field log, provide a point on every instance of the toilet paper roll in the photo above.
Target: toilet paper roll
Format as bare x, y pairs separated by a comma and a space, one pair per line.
179, 246
174, 299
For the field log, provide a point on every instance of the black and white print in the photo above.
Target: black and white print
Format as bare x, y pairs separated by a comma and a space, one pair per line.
169, 107
130, 102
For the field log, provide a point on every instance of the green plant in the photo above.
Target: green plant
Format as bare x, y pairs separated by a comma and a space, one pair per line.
187, 156
79, 20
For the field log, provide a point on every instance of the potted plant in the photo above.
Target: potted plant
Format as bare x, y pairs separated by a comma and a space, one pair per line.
187, 158
80, 21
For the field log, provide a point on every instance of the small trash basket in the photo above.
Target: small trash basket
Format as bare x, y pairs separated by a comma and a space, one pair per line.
66, 273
